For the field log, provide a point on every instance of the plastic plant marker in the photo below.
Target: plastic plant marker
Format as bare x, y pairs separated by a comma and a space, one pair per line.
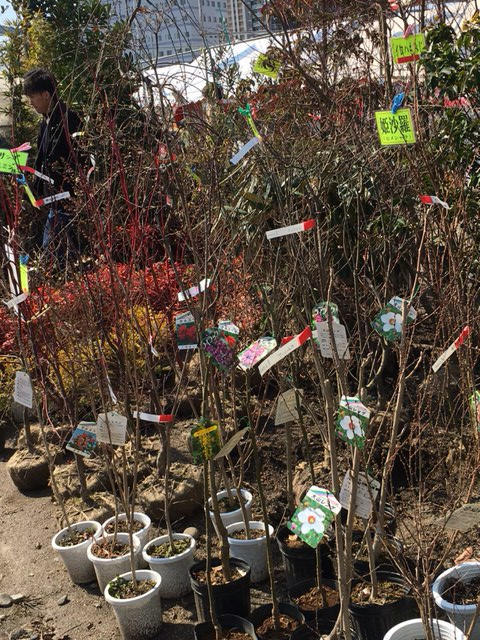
324, 497
266, 67
388, 321
231, 444
340, 337
292, 228
194, 291
244, 150
310, 521
285, 350
395, 128
185, 331
407, 49
23, 392
111, 428
205, 441
363, 503
352, 421
474, 402
451, 349
253, 354
23, 271
218, 348
287, 406
83, 440
10, 161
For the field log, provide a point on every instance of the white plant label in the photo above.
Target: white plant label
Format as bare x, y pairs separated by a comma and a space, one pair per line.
23, 392
111, 428
244, 150
194, 291
284, 350
287, 406
363, 504
340, 337
13, 302
325, 498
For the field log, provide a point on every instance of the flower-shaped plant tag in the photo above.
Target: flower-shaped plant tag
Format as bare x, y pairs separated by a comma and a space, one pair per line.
186, 331
252, 355
205, 441
310, 521
218, 348
388, 321
475, 408
352, 421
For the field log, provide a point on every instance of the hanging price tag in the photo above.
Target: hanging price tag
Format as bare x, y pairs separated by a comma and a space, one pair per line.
23, 392
111, 428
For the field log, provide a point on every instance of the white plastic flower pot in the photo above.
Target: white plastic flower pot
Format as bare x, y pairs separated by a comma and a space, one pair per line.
415, 630
230, 517
253, 552
143, 534
139, 618
107, 568
75, 558
174, 570
459, 615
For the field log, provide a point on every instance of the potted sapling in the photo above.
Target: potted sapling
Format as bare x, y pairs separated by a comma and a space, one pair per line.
72, 544
456, 592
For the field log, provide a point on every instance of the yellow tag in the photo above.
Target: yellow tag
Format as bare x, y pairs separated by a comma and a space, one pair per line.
395, 128
407, 49
24, 278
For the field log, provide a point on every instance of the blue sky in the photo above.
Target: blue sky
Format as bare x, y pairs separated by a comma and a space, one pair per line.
9, 14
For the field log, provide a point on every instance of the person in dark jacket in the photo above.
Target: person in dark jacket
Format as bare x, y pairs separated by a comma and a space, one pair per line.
56, 157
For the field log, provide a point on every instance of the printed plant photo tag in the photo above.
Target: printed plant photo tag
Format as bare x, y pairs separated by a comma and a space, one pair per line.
319, 314
23, 392
83, 440
325, 498
474, 401
229, 329
185, 331
340, 337
310, 521
287, 406
111, 428
218, 348
205, 442
352, 421
388, 321
363, 503
254, 353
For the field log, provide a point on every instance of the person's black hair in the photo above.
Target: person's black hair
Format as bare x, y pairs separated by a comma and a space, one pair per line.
39, 80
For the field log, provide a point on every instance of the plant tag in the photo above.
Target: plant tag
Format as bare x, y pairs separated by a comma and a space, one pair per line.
464, 518
244, 150
151, 417
49, 199
194, 291
324, 497
232, 443
340, 337
10, 161
267, 67
229, 329
23, 392
111, 428
451, 349
293, 228
395, 128
320, 314
83, 440
252, 355
474, 401
285, 350
407, 49
287, 406
388, 321
218, 348
310, 521
186, 331
13, 302
205, 442
363, 502
352, 421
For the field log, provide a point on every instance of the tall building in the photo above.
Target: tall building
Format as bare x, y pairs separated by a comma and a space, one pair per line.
174, 30
244, 21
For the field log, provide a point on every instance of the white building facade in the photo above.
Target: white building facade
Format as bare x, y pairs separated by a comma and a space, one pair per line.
244, 21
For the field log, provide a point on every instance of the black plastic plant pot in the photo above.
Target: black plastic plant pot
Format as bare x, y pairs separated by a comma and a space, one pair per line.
260, 614
372, 621
322, 619
232, 597
206, 630
300, 564
306, 633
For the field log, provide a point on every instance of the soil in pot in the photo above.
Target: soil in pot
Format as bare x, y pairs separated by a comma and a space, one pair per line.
225, 505
166, 550
387, 592
216, 575
76, 537
287, 625
125, 589
123, 526
293, 542
110, 550
313, 599
231, 634
461, 593
241, 534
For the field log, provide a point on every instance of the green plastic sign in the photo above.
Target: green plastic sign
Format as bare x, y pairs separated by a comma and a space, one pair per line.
407, 49
266, 67
395, 128
9, 161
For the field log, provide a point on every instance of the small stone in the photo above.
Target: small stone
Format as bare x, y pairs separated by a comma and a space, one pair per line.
31, 575
63, 600
98, 605
2, 617
192, 531
34, 636
38, 545
5, 600
17, 597
19, 634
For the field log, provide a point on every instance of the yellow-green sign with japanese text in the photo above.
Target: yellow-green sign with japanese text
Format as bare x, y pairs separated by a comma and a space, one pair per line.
407, 49
395, 128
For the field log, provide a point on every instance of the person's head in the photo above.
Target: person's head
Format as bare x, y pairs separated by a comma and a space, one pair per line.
40, 87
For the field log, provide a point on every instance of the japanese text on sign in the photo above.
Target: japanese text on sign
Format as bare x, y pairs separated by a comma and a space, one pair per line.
395, 128
407, 49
